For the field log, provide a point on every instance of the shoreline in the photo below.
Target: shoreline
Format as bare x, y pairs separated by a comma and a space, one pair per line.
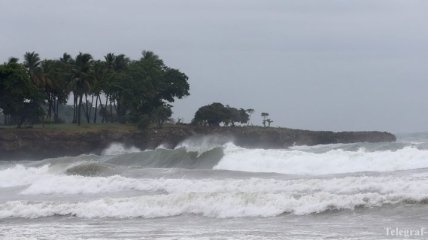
36, 144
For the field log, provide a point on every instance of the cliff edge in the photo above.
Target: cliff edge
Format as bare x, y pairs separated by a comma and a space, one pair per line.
33, 144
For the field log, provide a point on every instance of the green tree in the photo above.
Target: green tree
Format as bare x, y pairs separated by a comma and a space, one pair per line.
147, 85
100, 75
32, 63
114, 87
19, 97
250, 112
216, 113
119, 85
244, 117
81, 81
13, 60
67, 75
54, 81
161, 114
264, 115
211, 115
234, 116
138, 91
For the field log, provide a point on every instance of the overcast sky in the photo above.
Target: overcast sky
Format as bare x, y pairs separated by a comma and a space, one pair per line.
312, 64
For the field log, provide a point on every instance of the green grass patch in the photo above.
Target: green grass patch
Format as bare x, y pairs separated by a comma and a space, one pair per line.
68, 127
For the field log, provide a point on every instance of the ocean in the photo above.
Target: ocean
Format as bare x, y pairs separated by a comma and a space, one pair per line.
209, 188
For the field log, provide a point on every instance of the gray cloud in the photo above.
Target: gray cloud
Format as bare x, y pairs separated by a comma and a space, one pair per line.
332, 64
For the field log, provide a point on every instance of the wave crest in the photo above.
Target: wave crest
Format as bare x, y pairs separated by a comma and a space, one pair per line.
330, 162
218, 205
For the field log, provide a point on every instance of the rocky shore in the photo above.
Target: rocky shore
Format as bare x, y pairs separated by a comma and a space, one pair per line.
33, 144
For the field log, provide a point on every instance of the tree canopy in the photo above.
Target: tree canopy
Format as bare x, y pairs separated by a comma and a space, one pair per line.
19, 97
116, 87
216, 113
266, 121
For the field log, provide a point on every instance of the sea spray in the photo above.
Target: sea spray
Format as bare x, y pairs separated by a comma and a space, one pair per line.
119, 148
329, 162
201, 144
218, 205
216, 180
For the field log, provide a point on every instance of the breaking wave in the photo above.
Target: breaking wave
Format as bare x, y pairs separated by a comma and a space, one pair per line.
119, 148
61, 184
220, 198
217, 204
170, 158
126, 182
329, 162
88, 169
219, 154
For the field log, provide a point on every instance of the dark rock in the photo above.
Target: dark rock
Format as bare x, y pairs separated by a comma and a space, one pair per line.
33, 144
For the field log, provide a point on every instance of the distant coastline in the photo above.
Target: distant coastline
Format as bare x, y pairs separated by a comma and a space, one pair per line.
40, 143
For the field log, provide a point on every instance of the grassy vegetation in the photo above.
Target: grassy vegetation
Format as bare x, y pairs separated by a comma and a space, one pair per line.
118, 127
68, 127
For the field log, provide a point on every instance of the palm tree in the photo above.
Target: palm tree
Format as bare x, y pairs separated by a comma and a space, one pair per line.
116, 65
120, 63
54, 77
151, 57
32, 63
269, 121
109, 59
66, 58
81, 80
12, 60
67, 67
99, 75
46, 77
249, 111
264, 115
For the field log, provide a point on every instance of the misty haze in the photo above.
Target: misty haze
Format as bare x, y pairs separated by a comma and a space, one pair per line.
188, 119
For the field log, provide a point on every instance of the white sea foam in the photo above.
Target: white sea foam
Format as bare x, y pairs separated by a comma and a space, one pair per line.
218, 204
61, 184
203, 144
330, 162
304, 196
163, 146
224, 197
119, 148
220, 198
20, 175
319, 146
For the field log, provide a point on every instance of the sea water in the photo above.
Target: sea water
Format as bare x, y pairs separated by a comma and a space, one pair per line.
212, 189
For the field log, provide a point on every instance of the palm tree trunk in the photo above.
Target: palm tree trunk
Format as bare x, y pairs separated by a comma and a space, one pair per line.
79, 110
86, 108
56, 108
49, 106
104, 115
90, 109
111, 112
74, 108
105, 110
96, 108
